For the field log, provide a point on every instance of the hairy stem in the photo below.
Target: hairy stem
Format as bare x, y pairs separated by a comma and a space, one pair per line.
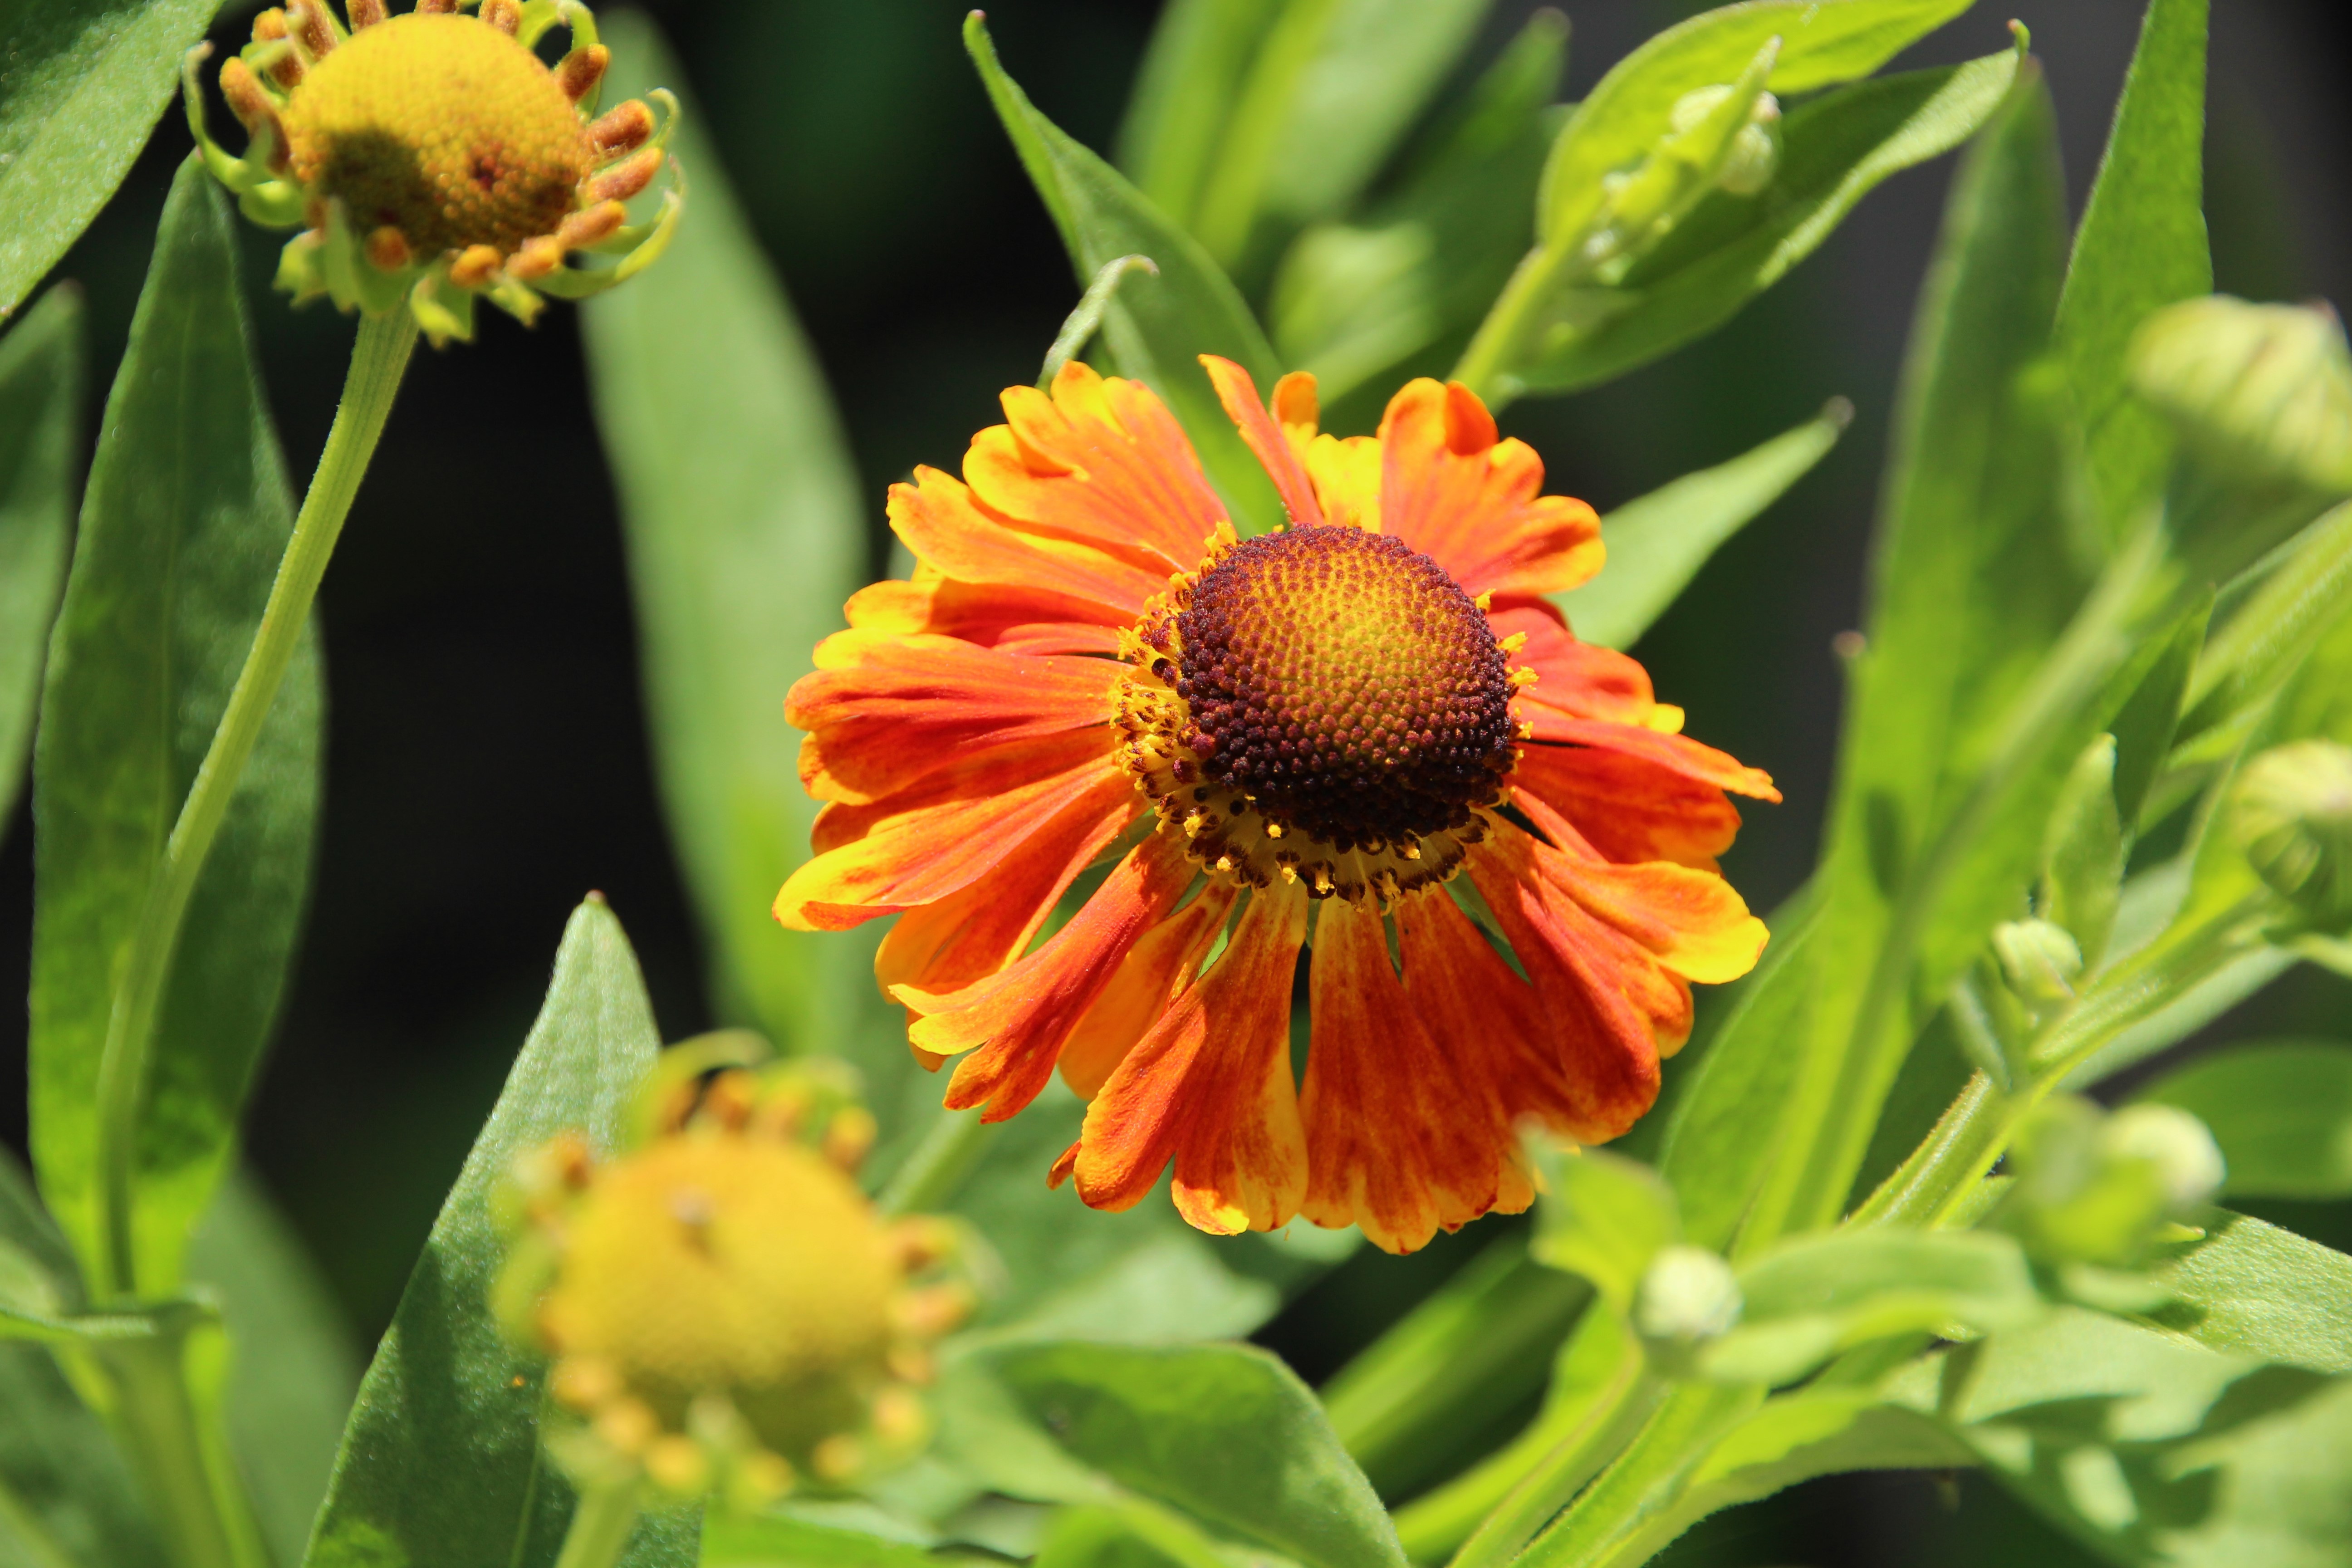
601, 1526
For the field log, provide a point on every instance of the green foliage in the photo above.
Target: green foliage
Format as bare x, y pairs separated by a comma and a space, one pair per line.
1604, 1217
82, 85
41, 372
2280, 1110
1657, 543
1156, 326
746, 534
440, 1462
186, 511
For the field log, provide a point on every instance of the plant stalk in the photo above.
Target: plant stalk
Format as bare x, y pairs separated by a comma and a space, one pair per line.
378, 358
601, 1526
202, 1512
938, 1165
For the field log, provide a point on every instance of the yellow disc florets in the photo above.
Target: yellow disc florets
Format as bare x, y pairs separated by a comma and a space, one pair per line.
432, 155
726, 1309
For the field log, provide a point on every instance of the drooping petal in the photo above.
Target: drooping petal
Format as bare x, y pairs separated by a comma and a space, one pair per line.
1210, 1088
1099, 460
1019, 1018
1675, 754
1145, 985
1400, 1138
1689, 921
1474, 504
1264, 437
942, 523
1629, 808
1016, 620
884, 708
944, 833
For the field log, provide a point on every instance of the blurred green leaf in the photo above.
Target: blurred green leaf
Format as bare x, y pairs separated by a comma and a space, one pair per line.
746, 534
1833, 152
66, 1500
1223, 1433
2276, 626
42, 364
1402, 282
1156, 326
186, 515
2251, 1289
1193, 73
1099, 1535
1604, 1217
82, 84
291, 1372
1813, 1296
2280, 1110
1657, 543
2083, 853
737, 1540
2151, 717
440, 1463
2260, 393
2141, 245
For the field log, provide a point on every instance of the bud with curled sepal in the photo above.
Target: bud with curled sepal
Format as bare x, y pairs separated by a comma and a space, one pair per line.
2291, 813
1688, 1297
431, 156
728, 1313
2039, 961
2100, 1190
1755, 152
2263, 392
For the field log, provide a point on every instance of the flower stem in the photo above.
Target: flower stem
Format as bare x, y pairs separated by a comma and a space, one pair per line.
205, 1518
601, 1526
935, 1170
1500, 342
378, 358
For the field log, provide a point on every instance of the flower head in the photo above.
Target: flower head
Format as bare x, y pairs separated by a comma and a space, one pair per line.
726, 1308
431, 156
1370, 731
2290, 812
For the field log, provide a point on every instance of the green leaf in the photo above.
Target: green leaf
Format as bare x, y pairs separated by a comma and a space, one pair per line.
186, 513
1658, 541
1833, 152
2141, 245
2280, 1110
2275, 628
2145, 725
736, 1541
440, 1463
1158, 326
1813, 1296
1604, 1217
291, 1371
1099, 1535
1401, 284
1223, 1433
2250, 1289
41, 369
82, 84
2083, 852
746, 534
1200, 54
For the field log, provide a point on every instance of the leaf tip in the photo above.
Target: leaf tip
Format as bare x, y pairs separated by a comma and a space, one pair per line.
1838, 413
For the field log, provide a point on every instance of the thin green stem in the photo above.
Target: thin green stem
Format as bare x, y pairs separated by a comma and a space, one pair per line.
1501, 340
205, 1518
938, 1166
601, 1526
378, 358
1609, 1526
1608, 1422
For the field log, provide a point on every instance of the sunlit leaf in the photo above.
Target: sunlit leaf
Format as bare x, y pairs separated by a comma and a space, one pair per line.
2253, 1289
1604, 1217
187, 512
440, 1463
41, 370
82, 84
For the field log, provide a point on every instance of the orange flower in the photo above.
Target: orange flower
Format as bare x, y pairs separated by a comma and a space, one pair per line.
1322, 728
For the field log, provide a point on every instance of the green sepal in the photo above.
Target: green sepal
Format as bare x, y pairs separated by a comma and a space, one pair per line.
443, 310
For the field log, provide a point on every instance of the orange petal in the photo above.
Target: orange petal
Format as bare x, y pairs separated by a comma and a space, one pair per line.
1629, 808
1017, 620
945, 833
1401, 1139
944, 526
1210, 1088
1238, 393
1098, 461
1020, 1018
884, 708
1346, 475
1580, 679
1473, 503
1147, 982
979, 930
1295, 409
1674, 754
1691, 921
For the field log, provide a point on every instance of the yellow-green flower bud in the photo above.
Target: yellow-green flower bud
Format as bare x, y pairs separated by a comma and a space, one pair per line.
2264, 391
1687, 1297
2040, 961
2098, 1189
1754, 155
2290, 812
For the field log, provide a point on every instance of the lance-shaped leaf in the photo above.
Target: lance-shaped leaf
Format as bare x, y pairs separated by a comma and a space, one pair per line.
1156, 326
186, 513
746, 534
441, 1461
82, 85
2251, 1289
41, 368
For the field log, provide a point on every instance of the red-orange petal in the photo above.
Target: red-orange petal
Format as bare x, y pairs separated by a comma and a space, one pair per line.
1147, 982
942, 523
1401, 1139
884, 708
1630, 809
945, 833
1264, 437
1016, 620
1210, 1088
1580, 679
1691, 922
1474, 504
1675, 754
1019, 1018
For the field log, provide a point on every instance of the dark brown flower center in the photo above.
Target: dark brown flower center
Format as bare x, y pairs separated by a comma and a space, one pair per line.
1344, 686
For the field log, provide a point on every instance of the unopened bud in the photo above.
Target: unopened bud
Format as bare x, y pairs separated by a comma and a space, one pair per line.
2264, 391
1687, 1296
2039, 959
2187, 1161
2291, 815
1755, 154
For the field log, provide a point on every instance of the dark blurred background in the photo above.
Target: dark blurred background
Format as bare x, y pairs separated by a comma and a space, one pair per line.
487, 760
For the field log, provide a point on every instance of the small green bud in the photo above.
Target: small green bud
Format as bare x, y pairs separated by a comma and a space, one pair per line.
2187, 1161
1687, 1296
2098, 1189
1755, 152
2291, 813
2039, 959
2264, 391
